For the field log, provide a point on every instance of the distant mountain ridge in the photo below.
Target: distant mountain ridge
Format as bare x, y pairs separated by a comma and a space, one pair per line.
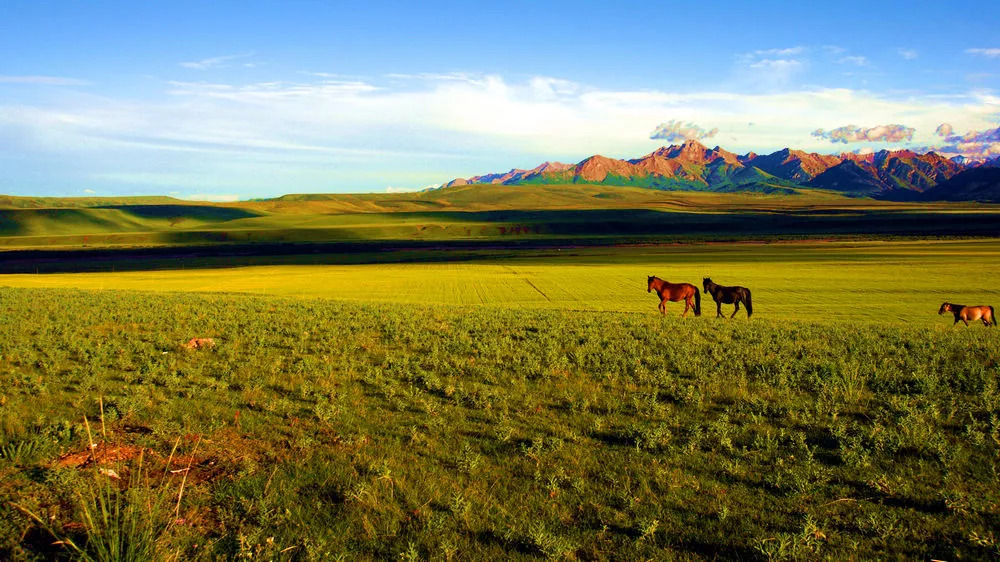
886, 174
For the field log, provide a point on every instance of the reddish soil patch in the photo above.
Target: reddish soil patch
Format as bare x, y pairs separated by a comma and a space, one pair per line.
102, 453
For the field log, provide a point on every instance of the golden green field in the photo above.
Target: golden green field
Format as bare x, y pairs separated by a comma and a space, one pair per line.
864, 281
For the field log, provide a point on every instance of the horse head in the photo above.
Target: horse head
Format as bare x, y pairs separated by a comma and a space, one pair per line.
649, 283
945, 307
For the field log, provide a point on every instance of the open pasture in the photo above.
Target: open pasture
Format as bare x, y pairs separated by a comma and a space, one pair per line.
822, 282
535, 406
317, 430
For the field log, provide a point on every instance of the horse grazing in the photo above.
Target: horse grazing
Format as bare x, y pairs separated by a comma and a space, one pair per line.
969, 313
728, 295
675, 292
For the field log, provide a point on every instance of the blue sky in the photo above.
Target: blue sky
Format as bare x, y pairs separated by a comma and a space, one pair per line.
223, 100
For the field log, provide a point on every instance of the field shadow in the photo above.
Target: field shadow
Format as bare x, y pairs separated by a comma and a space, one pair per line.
505, 234
199, 212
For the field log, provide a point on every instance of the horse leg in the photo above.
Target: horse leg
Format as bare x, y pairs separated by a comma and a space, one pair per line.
718, 309
663, 307
737, 303
687, 306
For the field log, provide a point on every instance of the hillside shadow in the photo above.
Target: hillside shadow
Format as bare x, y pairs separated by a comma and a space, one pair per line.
199, 212
644, 222
496, 235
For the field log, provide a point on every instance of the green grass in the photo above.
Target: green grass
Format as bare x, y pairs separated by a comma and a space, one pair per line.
485, 213
845, 282
318, 429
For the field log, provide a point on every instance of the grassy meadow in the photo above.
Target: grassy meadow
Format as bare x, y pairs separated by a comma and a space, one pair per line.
474, 213
494, 400
534, 407
822, 282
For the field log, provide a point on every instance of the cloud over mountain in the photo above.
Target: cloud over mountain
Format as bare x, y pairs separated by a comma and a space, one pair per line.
677, 131
976, 145
944, 130
853, 133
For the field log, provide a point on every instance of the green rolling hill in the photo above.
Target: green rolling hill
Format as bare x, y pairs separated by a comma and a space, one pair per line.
495, 213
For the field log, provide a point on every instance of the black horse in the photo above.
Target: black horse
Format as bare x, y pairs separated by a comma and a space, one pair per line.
728, 295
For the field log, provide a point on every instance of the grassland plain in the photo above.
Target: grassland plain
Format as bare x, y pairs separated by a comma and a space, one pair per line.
534, 407
318, 429
824, 282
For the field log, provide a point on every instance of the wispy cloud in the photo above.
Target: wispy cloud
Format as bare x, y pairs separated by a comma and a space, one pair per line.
880, 133
991, 52
785, 52
908, 54
43, 80
855, 60
678, 131
772, 68
438, 76
779, 66
215, 62
263, 91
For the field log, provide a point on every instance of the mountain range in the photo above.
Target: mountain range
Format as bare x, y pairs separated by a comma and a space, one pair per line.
886, 174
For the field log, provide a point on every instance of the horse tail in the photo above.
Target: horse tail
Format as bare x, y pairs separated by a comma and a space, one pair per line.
697, 302
993, 316
748, 303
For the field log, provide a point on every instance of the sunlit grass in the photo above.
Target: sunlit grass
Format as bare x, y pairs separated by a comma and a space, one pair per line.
815, 282
330, 429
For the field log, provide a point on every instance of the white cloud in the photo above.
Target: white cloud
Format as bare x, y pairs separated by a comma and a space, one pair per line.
855, 60
771, 68
778, 65
991, 53
677, 131
43, 80
214, 62
89, 191
787, 52
438, 77
908, 54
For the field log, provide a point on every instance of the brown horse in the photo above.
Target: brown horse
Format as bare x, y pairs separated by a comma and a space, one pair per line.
675, 292
970, 313
728, 295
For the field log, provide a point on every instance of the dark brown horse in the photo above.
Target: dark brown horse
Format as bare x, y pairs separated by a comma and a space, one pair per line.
970, 313
675, 292
728, 295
